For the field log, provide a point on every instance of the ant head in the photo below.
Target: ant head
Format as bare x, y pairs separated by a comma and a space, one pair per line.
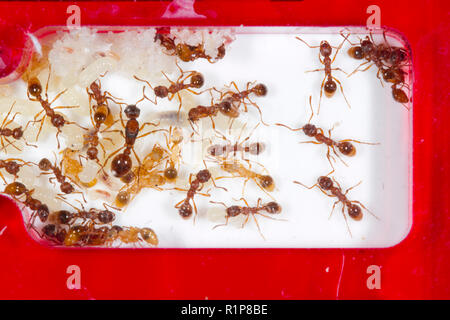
197, 80
185, 210
221, 52
12, 167
329, 87
355, 212
256, 148
346, 148
325, 182
267, 182
149, 236
34, 87
356, 52
170, 173
43, 212
215, 150
399, 95
34, 204
260, 90
17, 133
121, 165
122, 199
325, 49
45, 164
367, 46
161, 91
64, 216
203, 176
94, 86
233, 211
15, 189
273, 207
310, 130
132, 112
49, 230
106, 216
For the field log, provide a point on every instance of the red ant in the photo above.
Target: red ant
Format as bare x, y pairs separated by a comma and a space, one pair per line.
57, 120
329, 82
239, 97
121, 164
225, 107
102, 113
195, 78
380, 55
12, 167
184, 207
224, 150
233, 211
184, 51
16, 133
344, 146
16, 189
65, 186
326, 185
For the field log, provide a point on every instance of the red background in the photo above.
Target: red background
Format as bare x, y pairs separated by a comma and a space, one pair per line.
416, 268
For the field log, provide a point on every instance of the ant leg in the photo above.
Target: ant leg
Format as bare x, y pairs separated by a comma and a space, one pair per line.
223, 224
298, 38
269, 217
315, 70
57, 96
332, 209
338, 48
257, 225
339, 69
362, 142
362, 64
342, 90
150, 132
352, 187
245, 221
321, 93
346, 222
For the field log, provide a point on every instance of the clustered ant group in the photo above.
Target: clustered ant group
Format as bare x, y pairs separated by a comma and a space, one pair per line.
112, 150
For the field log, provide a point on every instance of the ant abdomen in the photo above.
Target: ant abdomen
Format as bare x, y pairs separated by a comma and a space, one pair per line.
256, 148
15, 189
34, 87
185, 210
272, 207
346, 148
121, 165
356, 52
267, 182
355, 212
170, 173
399, 95
329, 88
233, 211
197, 80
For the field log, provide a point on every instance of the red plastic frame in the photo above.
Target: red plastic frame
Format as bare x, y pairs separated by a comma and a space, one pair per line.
414, 269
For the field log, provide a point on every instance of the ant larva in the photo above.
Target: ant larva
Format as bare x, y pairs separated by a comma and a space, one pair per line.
327, 186
329, 81
233, 211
